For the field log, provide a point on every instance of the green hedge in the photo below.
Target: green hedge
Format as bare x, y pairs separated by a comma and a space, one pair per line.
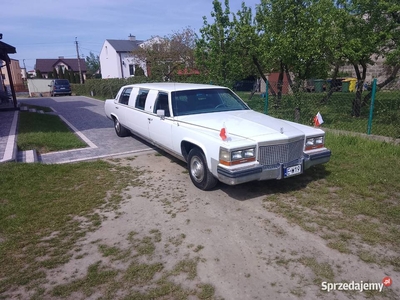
105, 88
108, 88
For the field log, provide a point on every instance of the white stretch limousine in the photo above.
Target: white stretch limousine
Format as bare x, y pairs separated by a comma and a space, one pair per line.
215, 132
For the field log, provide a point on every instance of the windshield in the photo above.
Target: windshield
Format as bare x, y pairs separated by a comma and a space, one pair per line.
191, 102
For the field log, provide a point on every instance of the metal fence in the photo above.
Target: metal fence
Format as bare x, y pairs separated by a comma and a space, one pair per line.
375, 111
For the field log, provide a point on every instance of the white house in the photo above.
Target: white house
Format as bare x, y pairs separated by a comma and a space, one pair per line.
116, 59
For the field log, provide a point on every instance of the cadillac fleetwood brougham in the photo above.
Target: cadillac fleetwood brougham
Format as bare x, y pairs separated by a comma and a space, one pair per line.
216, 133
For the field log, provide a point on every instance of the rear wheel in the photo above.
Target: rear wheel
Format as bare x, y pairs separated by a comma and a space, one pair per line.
199, 172
120, 130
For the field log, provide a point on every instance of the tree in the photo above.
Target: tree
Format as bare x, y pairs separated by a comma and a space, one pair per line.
296, 35
214, 49
60, 73
92, 64
139, 71
55, 74
246, 44
369, 27
39, 74
281, 37
77, 78
165, 56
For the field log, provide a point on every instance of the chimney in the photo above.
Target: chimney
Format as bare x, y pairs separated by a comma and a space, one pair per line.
132, 37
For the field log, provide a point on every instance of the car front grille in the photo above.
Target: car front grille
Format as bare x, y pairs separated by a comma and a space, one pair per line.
280, 154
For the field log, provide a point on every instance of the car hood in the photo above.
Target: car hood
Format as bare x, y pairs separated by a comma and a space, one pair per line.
245, 124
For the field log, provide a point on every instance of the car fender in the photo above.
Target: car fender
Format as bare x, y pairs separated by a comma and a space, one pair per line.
206, 145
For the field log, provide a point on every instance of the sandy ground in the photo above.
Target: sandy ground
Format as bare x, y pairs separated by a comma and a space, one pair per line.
245, 251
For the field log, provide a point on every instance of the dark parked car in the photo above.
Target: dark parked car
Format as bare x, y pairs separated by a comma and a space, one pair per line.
60, 87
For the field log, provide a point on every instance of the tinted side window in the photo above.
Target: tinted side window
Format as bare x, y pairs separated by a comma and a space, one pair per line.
141, 99
162, 103
124, 98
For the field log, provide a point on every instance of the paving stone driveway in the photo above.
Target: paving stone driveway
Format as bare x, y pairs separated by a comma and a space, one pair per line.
87, 116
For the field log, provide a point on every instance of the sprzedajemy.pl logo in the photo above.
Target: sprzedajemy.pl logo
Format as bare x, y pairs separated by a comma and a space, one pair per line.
356, 286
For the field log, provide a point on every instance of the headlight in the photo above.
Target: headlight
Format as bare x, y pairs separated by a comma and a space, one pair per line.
229, 158
224, 155
319, 140
310, 142
314, 143
237, 155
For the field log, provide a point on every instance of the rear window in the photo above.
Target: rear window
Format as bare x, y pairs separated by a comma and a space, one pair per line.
61, 82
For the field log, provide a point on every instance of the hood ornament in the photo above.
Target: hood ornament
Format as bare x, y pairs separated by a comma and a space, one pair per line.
282, 130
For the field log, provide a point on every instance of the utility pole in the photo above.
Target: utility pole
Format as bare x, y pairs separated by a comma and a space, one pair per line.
79, 61
25, 72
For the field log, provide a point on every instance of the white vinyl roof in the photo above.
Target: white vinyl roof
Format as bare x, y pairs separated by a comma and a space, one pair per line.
174, 86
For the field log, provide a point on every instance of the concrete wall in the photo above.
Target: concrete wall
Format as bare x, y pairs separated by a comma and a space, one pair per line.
378, 70
39, 87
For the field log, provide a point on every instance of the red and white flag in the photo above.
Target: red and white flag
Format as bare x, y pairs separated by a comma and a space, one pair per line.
223, 133
318, 120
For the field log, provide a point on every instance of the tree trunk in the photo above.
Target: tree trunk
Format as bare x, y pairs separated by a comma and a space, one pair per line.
280, 84
289, 78
260, 71
332, 88
356, 105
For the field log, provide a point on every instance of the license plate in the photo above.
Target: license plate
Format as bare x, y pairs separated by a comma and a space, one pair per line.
291, 171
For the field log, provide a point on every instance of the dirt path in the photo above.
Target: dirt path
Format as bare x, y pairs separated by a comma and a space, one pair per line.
241, 250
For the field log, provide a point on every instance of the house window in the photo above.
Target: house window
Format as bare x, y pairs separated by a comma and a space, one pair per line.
131, 70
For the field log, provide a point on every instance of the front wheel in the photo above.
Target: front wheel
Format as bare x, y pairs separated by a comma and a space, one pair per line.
199, 172
120, 130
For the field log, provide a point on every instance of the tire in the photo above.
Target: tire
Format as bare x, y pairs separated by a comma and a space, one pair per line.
120, 130
199, 173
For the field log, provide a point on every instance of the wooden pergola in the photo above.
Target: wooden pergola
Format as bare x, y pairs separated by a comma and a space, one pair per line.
6, 49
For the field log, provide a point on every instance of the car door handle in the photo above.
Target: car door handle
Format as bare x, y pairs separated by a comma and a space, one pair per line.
150, 119
116, 107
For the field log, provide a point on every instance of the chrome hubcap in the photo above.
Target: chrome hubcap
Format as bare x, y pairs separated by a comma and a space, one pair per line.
116, 125
197, 169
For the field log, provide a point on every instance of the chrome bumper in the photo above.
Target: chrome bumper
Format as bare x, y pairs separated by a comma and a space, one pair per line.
257, 173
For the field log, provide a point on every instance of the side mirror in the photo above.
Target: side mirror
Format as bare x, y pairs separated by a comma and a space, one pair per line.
161, 113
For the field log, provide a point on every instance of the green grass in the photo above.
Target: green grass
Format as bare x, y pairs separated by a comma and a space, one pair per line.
45, 133
46, 211
353, 201
38, 205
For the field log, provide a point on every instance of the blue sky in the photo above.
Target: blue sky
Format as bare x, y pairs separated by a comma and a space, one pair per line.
48, 28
